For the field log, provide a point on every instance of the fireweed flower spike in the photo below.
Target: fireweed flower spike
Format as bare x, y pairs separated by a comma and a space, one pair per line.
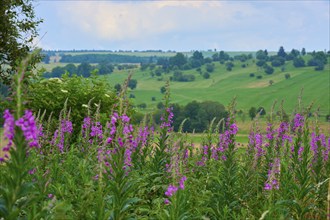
171, 190
28, 126
9, 131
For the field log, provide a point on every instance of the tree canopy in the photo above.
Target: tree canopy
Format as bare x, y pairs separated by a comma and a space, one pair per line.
18, 29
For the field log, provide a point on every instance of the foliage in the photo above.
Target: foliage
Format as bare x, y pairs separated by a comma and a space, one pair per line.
18, 29
287, 76
82, 95
103, 58
253, 112
132, 83
117, 170
180, 77
298, 62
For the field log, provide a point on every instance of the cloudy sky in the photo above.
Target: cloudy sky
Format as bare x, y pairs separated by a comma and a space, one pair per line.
184, 25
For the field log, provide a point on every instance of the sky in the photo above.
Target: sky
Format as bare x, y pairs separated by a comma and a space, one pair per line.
184, 25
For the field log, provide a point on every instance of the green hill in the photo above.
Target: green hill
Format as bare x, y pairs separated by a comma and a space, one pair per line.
223, 85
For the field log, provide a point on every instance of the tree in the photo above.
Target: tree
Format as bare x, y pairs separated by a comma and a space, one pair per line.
303, 52
271, 82
178, 60
229, 66
210, 67
268, 69
105, 68
132, 83
287, 76
118, 87
252, 112
162, 89
46, 59
57, 71
262, 55
298, 62
206, 75
84, 69
281, 52
71, 68
18, 29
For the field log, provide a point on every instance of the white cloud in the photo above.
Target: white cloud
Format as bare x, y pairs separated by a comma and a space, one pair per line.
127, 20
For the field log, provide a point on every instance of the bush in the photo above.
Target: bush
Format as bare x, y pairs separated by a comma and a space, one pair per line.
132, 96
287, 76
251, 75
50, 96
206, 75
259, 77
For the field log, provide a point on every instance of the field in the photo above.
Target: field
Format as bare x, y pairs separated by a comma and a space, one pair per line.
223, 86
117, 170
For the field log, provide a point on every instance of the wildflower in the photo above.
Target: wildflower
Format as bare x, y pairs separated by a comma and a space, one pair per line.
166, 201
171, 190
273, 175
9, 129
29, 128
298, 122
182, 180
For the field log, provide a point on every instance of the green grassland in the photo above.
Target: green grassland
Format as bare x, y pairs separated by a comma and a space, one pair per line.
224, 85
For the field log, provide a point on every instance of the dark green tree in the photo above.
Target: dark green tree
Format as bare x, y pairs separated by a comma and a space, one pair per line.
57, 71
178, 60
303, 52
262, 55
18, 29
162, 89
84, 69
132, 83
206, 75
268, 69
71, 69
105, 68
281, 52
210, 67
46, 59
298, 62
117, 87
252, 112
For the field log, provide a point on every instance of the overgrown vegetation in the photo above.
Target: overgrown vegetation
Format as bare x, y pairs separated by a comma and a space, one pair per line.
116, 170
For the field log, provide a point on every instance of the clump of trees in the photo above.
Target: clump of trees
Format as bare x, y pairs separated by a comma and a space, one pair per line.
83, 69
198, 114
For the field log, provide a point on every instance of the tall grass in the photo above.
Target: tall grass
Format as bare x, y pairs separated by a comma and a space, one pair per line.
118, 171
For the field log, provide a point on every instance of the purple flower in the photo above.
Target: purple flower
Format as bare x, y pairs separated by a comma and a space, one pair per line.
31, 172
298, 122
273, 175
29, 128
9, 129
182, 180
171, 190
96, 130
125, 119
166, 201
50, 196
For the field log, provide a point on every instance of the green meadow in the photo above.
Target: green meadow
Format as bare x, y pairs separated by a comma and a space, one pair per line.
224, 85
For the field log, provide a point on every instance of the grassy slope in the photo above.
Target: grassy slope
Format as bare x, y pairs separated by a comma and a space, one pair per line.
224, 85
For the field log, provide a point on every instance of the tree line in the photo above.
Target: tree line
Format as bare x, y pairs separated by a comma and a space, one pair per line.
107, 58
197, 115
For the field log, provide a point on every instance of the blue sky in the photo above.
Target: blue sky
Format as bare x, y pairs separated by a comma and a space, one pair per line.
184, 25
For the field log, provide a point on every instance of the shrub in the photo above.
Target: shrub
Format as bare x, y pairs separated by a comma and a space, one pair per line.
251, 75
